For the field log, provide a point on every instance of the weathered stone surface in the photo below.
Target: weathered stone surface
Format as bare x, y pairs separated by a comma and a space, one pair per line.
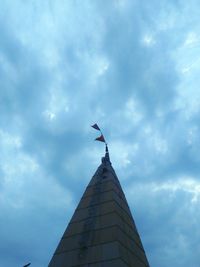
102, 232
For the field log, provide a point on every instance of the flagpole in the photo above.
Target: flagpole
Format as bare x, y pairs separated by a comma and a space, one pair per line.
101, 138
106, 145
104, 137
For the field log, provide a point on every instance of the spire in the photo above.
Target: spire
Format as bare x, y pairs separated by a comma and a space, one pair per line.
102, 231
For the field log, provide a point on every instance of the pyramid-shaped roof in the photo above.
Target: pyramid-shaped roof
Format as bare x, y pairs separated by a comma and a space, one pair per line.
102, 232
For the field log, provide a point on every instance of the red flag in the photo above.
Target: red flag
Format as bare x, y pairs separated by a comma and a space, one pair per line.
95, 126
100, 138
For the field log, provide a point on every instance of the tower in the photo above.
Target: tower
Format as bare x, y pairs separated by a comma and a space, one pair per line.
102, 232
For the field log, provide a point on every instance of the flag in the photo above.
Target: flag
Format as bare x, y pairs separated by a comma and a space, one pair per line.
100, 138
95, 126
27, 265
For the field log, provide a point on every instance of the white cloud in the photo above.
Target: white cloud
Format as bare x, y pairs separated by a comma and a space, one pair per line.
9, 141
123, 154
134, 67
192, 39
171, 188
103, 66
185, 184
133, 111
148, 40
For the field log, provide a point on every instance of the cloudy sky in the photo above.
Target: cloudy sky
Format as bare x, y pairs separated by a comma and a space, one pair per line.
129, 65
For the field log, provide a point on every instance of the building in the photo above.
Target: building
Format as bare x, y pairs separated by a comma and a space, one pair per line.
102, 232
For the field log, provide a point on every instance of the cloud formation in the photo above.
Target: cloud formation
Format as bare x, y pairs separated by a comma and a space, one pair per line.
131, 66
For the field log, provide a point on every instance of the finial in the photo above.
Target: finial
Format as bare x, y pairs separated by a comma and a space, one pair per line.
106, 147
107, 157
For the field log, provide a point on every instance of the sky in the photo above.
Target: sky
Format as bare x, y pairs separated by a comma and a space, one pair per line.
132, 66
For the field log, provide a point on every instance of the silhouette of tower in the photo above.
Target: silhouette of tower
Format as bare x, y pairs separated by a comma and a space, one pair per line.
102, 232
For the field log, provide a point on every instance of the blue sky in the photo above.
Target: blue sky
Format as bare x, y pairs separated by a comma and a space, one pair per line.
131, 66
